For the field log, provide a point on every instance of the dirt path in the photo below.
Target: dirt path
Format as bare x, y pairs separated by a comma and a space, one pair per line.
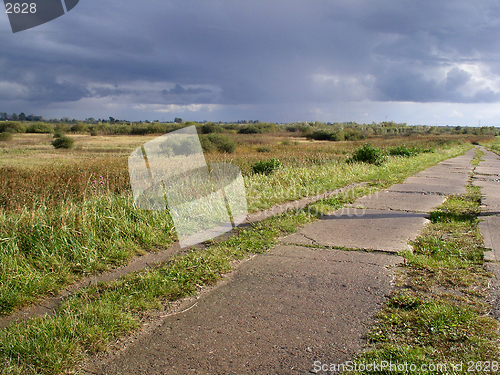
304, 301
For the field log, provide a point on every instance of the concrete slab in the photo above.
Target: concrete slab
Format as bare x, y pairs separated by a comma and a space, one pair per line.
443, 174
362, 229
448, 181
488, 169
490, 229
428, 188
281, 312
490, 191
390, 200
481, 177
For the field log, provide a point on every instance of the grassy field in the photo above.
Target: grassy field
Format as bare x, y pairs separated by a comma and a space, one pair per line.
55, 228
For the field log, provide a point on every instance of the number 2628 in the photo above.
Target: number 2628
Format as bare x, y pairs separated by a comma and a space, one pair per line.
24, 8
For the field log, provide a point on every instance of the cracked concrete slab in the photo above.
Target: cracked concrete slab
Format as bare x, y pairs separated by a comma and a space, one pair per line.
489, 225
280, 312
394, 201
444, 173
442, 181
354, 228
490, 191
428, 188
490, 229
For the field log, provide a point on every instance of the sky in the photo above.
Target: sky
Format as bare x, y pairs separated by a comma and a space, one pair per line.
419, 62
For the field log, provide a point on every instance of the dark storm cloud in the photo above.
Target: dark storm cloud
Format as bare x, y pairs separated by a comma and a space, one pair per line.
259, 52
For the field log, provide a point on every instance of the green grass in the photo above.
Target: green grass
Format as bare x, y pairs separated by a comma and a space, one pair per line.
47, 247
439, 313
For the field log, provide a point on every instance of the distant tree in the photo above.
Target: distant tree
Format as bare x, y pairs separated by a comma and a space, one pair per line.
15, 117
178, 120
111, 120
22, 116
4, 116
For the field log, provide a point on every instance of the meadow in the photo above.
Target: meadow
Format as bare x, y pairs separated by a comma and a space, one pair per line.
69, 213
65, 214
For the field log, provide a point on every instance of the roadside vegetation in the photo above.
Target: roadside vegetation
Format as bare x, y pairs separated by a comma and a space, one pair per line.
439, 312
68, 213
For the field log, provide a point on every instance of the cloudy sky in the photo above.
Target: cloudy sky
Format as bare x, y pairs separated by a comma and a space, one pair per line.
420, 61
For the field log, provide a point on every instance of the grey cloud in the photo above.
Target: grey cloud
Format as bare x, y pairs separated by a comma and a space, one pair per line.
179, 90
256, 53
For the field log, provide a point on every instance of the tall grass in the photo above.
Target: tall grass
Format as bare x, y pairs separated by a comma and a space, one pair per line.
44, 249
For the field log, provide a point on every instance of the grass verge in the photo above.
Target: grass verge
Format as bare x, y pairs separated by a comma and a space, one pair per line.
439, 314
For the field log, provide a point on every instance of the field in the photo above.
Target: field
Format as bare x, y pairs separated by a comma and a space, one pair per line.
68, 213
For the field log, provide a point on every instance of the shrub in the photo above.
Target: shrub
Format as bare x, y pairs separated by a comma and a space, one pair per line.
80, 128
219, 142
40, 127
250, 129
369, 154
286, 143
63, 142
263, 149
6, 136
258, 129
326, 135
211, 128
404, 151
267, 166
354, 135
62, 127
18, 127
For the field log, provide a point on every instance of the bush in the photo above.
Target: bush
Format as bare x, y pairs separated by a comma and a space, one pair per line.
326, 135
63, 142
80, 128
40, 127
267, 167
62, 127
263, 149
18, 127
369, 154
404, 151
6, 136
258, 129
211, 128
219, 142
354, 135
